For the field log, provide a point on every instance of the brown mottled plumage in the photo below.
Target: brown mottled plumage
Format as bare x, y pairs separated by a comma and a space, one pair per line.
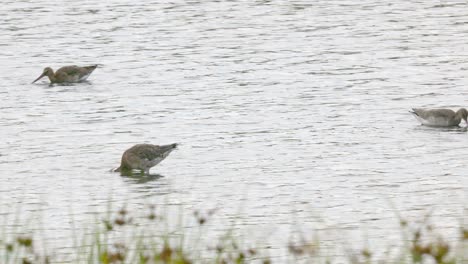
440, 117
67, 74
144, 156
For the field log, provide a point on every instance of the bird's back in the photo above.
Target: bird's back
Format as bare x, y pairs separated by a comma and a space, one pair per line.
146, 151
75, 73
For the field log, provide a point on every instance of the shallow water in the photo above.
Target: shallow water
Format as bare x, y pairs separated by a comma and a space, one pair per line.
293, 111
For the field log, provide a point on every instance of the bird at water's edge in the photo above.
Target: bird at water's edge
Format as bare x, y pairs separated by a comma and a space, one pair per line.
67, 74
143, 156
440, 117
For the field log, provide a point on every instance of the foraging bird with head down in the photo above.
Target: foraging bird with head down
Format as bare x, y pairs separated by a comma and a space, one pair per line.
440, 117
143, 157
67, 74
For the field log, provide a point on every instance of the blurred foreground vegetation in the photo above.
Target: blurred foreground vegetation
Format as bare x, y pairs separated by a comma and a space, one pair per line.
144, 243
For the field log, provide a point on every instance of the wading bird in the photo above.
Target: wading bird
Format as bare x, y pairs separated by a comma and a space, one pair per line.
440, 117
144, 156
67, 74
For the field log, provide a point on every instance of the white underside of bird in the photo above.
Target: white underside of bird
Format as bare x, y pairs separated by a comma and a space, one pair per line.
433, 121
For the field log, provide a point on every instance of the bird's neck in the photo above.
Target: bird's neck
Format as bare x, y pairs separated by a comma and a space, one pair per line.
51, 76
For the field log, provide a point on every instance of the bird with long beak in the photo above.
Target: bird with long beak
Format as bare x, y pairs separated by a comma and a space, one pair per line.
67, 74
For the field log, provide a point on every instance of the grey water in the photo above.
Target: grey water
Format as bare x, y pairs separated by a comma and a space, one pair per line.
288, 113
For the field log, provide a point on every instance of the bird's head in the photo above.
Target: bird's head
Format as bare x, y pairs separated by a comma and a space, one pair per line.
46, 72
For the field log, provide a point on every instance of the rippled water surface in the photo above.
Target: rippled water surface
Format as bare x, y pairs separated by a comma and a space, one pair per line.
286, 111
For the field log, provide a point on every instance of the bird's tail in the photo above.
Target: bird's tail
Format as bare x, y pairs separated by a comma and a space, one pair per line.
92, 67
169, 147
166, 149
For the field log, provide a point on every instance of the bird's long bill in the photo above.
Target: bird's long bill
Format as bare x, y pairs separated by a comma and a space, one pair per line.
42, 75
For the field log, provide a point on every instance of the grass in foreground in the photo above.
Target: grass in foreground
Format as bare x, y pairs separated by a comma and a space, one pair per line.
118, 238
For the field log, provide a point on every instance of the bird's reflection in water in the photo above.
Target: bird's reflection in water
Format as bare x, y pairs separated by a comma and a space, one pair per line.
456, 129
148, 185
140, 178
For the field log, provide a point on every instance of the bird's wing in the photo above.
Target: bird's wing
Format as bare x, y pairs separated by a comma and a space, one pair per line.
153, 152
69, 70
76, 70
433, 113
